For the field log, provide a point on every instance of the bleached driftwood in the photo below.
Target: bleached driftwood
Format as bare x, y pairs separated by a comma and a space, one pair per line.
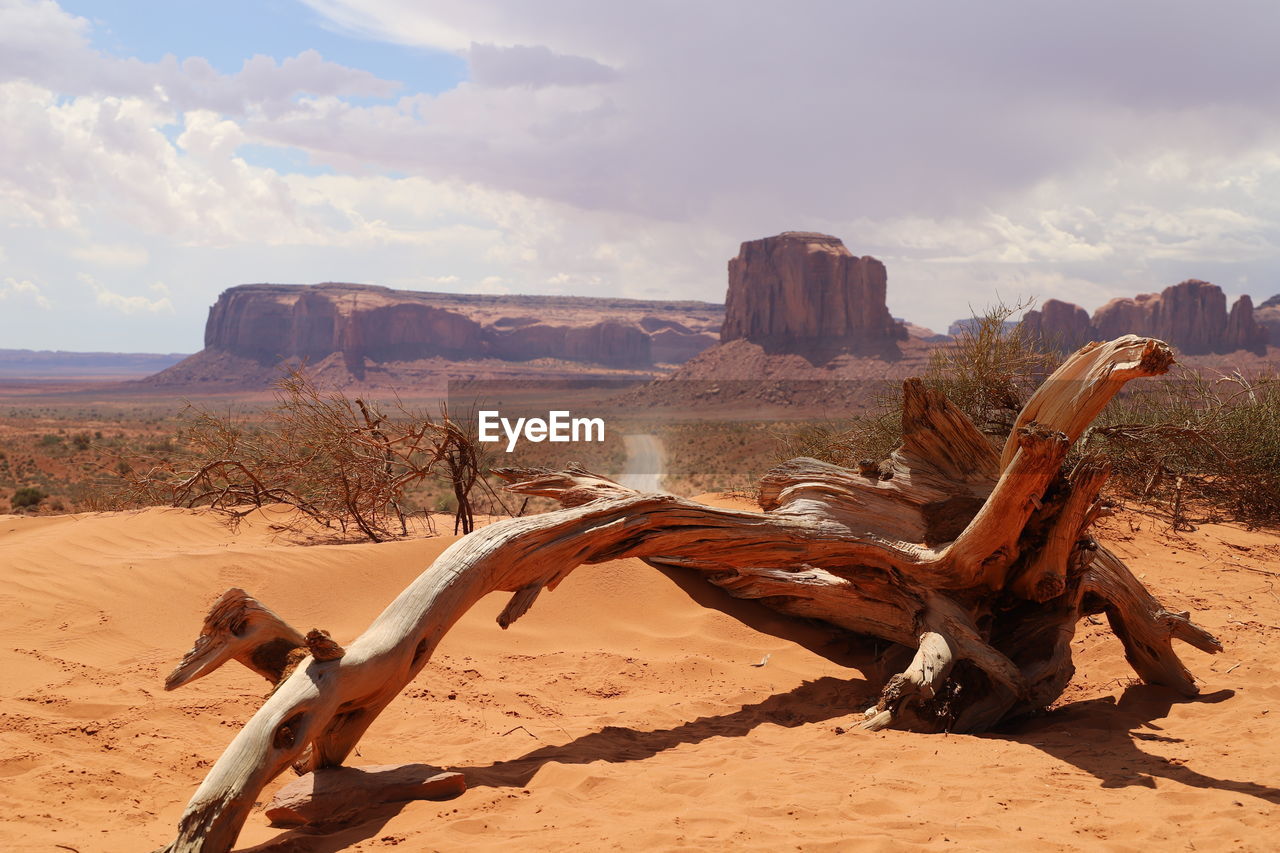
977, 559
240, 628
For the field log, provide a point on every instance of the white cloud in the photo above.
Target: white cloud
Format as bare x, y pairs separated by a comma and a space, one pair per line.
533, 67
23, 290
376, 20
626, 149
493, 284
112, 255
33, 31
40, 43
64, 163
738, 108
136, 304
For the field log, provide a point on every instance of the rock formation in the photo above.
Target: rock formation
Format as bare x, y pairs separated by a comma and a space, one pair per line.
1243, 329
1268, 315
270, 322
801, 291
1064, 325
1192, 316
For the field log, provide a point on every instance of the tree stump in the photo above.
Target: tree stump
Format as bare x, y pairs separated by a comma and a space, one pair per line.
977, 558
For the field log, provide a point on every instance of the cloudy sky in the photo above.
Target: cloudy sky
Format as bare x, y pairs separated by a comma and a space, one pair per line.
154, 153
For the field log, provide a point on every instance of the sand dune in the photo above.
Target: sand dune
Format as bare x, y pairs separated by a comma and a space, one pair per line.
617, 714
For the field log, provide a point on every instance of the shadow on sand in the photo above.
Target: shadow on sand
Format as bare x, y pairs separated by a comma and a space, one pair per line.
1111, 751
1102, 737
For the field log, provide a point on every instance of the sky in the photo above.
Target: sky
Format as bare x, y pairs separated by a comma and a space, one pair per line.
153, 154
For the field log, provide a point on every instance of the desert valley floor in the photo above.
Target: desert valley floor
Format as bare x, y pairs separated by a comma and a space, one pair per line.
618, 714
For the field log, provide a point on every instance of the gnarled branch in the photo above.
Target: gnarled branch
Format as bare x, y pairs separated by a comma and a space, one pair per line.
978, 561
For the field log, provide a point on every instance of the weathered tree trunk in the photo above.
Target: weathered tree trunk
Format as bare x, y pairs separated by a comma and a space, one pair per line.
977, 559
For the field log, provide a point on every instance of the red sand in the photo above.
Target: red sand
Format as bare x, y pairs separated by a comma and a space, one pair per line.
617, 714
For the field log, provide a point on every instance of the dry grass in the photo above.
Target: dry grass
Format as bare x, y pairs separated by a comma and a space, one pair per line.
1194, 447
706, 456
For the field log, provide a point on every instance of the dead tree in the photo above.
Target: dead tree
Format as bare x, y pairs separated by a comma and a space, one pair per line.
977, 558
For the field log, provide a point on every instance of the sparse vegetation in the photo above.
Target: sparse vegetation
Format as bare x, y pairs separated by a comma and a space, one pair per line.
44, 446
991, 369
1187, 447
27, 497
988, 372
728, 456
342, 462
1197, 448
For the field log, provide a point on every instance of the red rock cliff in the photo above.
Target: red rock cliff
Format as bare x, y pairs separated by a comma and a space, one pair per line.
1061, 324
1192, 316
268, 322
1268, 314
800, 289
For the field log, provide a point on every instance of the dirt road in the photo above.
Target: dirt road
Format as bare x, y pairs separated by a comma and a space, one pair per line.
646, 462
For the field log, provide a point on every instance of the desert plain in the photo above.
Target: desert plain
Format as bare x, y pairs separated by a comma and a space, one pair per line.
632, 708
620, 713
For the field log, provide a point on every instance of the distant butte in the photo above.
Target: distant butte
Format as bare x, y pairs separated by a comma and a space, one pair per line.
804, 292
806, 323
799, 305
1268, 314
1192, 316
278, 321
350, 330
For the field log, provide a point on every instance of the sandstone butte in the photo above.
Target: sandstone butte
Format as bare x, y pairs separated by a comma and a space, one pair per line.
270, 322
1268, 314
798, 293
1192, 316
802, 290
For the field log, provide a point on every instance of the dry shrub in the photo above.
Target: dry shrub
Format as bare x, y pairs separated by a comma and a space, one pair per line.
862, 437
463, 462
27, 497
339, 461
991, 369
1196, 448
